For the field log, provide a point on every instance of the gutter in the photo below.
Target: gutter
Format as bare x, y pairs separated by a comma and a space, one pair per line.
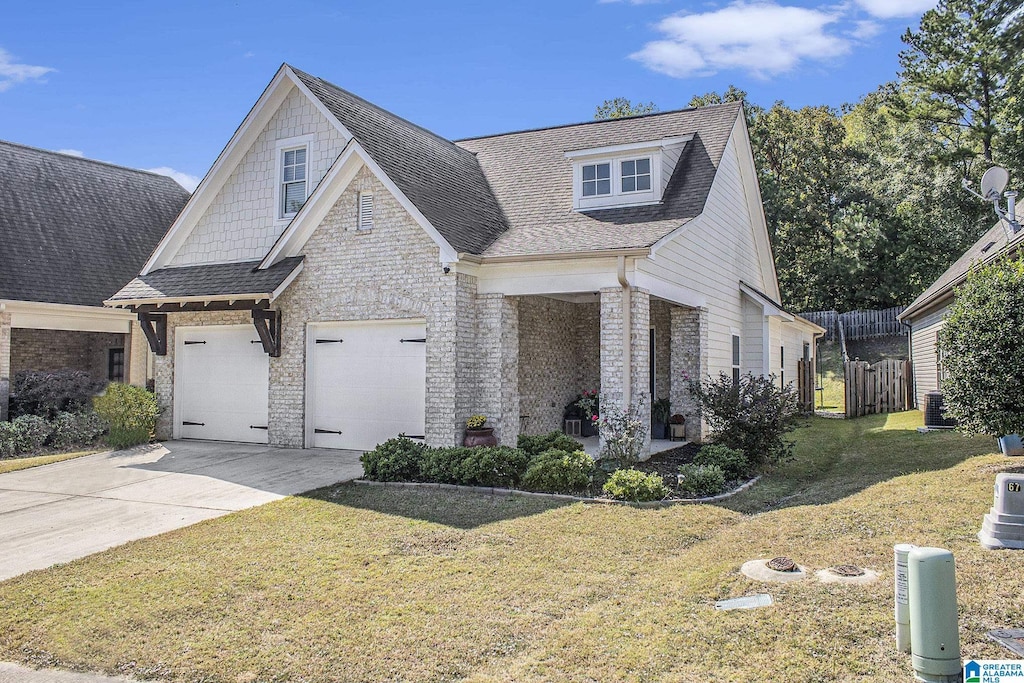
627, 334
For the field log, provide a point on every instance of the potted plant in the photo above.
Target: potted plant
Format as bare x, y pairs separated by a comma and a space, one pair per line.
677, 427
477, 434
660, 410
588, 405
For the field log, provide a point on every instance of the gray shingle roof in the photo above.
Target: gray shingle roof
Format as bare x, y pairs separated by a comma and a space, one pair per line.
996, 242
73, 230
213, 280
532, 180
441, 179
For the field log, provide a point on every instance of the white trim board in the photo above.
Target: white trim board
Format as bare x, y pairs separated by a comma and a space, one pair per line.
45, 316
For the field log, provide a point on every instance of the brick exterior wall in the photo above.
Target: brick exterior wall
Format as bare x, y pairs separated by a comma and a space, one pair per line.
5, 363
661, 322
612, 331
136, 362
57, 349
559, 357
241, 223
689, 359
497, 373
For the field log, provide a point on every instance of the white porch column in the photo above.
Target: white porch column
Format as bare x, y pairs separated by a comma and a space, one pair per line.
498, 344
689, 357
613, 348
5, 362
136, 362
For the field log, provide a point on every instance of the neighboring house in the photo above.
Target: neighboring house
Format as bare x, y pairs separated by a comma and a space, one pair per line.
342, 275
925, 315
72, 232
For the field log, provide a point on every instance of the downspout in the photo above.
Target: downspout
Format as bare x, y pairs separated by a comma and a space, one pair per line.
627, 335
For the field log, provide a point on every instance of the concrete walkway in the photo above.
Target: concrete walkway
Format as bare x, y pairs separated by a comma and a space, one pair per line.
61, 512
12, 673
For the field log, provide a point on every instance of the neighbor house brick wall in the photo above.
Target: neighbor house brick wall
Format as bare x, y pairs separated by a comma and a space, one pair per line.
5, 362
689, 360
559, 357
241, 223
163, 366
33, 349
497, 373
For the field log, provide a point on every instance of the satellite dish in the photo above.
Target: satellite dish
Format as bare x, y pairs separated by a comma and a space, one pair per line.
994, 182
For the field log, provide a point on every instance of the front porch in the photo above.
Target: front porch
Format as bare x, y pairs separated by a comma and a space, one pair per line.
592, 445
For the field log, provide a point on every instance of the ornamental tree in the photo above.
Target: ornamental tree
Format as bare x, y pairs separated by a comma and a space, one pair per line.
980, 347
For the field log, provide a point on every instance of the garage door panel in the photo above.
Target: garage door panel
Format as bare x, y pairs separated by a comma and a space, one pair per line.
223, 384
371, 387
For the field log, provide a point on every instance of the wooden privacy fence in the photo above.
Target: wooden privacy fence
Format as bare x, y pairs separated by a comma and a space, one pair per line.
859, 324
805, 385
884, 387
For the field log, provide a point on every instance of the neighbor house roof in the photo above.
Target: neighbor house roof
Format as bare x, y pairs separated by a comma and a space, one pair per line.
443, 180
216, 280
74, 230
533, 182
992, 244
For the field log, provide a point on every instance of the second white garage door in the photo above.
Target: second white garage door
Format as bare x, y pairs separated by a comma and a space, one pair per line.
366, 382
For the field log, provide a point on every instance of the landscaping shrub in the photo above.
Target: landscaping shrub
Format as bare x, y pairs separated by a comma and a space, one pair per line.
76, 430
980, 346
635, 485
500, 466
9, 440
32, 432
394, 460
556, 471
131, 413
34, 392
535, 445
752, 415
624, 432
732, 462
700, 481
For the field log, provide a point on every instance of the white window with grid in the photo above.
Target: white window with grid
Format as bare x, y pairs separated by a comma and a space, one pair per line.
293, 180
597, 179
635, 175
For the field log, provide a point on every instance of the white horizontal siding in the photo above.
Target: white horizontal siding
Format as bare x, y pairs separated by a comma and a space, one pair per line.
925, 357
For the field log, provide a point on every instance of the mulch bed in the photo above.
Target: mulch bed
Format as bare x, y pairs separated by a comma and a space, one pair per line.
667, 462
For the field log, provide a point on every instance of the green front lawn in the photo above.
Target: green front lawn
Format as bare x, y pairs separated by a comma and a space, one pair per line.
365, 584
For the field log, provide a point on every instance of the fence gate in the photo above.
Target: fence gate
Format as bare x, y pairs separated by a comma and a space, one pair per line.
884, 387
805, 385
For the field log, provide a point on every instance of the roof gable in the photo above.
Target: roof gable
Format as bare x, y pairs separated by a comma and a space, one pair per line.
74, 230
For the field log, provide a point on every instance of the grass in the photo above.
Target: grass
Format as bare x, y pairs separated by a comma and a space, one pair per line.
15, 464
365, 584
831, 378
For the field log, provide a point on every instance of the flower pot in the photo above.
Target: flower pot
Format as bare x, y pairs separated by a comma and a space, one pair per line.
588, 428
480, 437
677, 432
658, 430
1011, 445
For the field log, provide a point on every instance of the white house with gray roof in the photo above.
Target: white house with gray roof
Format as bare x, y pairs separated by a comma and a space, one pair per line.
342, 275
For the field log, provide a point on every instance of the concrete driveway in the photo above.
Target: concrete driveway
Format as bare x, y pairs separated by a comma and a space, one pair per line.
60, 512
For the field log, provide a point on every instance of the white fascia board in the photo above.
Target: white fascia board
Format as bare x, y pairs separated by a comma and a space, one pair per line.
629, 147
669, 291
755, 206
685, 227
287, 281
320, 107
45, 316
181, 300
547, 277
769, 307
342, 172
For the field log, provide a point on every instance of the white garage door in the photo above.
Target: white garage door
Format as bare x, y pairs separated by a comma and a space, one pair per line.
366, 383
222, 379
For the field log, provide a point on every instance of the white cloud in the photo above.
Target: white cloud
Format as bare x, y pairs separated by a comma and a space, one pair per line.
890, 9
12, 73
71, 152
763, 38
186, 180
863, 30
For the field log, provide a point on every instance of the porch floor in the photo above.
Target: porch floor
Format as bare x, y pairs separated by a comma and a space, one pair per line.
592, 445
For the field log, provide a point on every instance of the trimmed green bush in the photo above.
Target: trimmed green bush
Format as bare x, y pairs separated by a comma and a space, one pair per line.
35, 392
555, 471
131, 413
733, 463
33, 431
394, 460
76, 430
635, 485
701, 481
499, 466
534, 445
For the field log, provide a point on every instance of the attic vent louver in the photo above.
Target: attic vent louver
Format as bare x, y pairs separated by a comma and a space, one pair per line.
988, 246
365, 211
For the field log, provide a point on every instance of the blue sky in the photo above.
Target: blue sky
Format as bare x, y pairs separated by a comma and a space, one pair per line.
164, 85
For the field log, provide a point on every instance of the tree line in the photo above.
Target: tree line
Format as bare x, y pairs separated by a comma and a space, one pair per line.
863, 203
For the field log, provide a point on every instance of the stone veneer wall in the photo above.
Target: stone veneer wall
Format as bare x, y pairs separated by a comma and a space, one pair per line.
559, 358
689, 359
661, 322
33, 349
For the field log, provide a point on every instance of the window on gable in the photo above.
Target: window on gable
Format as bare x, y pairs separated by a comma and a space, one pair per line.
597, 179
736, 359
365, 211
293, 180
636, 175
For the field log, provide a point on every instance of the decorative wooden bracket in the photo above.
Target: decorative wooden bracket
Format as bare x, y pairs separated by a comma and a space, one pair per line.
154, 326
268, 326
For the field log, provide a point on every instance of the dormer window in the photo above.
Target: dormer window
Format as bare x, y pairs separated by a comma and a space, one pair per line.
632, 174
597, 180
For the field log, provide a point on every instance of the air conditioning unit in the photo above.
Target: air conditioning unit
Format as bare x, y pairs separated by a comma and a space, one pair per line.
1003, 526
934, 409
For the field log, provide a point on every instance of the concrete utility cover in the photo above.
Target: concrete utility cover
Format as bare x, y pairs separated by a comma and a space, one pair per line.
746, 602
759, 571
60, 512
829, 576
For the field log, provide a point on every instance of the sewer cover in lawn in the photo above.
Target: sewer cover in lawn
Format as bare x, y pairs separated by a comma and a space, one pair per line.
1010, 638
761, 570
847, 573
